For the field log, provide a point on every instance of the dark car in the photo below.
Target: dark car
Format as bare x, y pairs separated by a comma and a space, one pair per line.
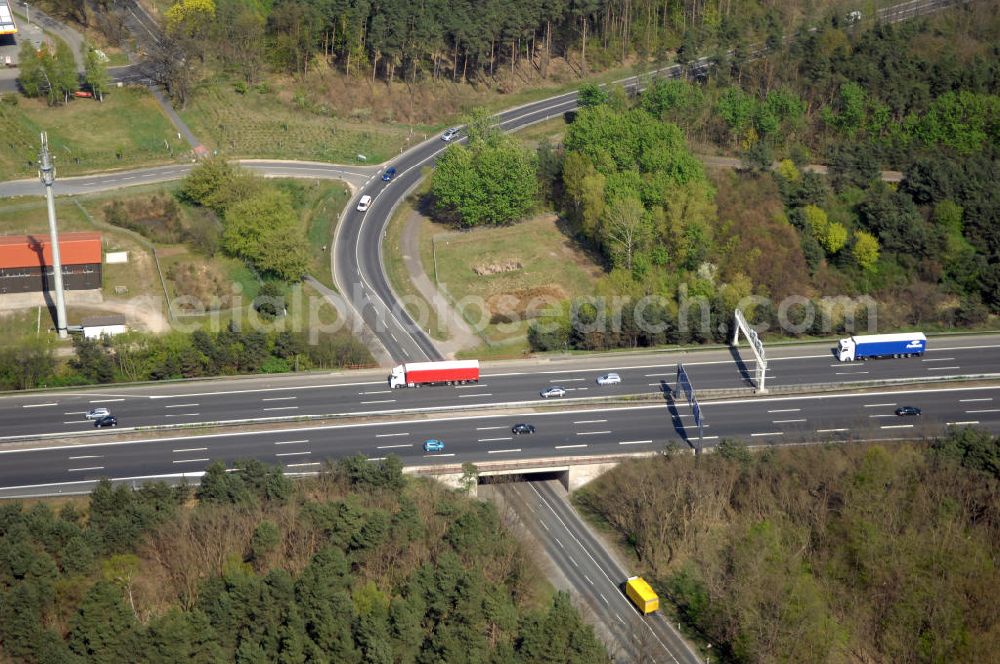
106, 421
389, 174
907, 410
522, 428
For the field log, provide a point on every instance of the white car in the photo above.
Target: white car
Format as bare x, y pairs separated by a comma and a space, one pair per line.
552, 392
97, 413
450, 134
364, 203
609, 379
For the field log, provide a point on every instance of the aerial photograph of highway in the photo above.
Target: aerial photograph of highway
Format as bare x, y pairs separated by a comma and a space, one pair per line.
473, 332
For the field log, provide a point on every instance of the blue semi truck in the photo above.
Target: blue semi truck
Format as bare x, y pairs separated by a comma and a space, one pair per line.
870, 346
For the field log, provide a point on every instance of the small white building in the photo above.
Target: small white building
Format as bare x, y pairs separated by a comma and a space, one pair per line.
96, 326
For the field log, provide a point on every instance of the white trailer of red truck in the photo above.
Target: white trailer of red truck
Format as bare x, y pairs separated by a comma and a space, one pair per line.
448, 372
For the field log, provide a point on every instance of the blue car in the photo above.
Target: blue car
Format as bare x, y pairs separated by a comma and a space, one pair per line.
433, 445
389, 174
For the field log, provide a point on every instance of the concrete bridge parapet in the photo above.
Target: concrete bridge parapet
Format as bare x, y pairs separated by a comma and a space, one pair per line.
572, 472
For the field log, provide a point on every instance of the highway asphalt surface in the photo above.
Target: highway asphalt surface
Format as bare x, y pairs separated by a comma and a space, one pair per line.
289, 397
590, 573
480, 438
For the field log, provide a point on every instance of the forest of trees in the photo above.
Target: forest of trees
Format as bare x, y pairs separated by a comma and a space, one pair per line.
357, 566
843, 553
927, 250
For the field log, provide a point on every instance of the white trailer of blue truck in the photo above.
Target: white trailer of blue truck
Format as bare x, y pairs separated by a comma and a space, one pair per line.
870, 346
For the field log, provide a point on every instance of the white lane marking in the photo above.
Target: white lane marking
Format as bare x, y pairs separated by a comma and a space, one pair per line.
104, 400
543, 525
635, 442
182, 415
771, 433
619, 619
80, 470
959, 401
589, 421
940, 359
561, 546
470, 387
850, 373
572, 560
76, 412
786, 421
376, 458
300, 465
567, 380
482, 394
189, 449
708, 438
655, 375
785, 410
877, 405
430, 456
181, 405
503, 451
75, 421
292, 442
488, 428
365, 403
988, 410
568, 447
390, 435
830, 430
588, 579
375, 392
591, 433
604, 598
191, 460
281, 408
660, 384
897, 426
392, 447
284, 454
278, 398
883, 415
86, 456
959, 424
942, 368
39, 405
490, 440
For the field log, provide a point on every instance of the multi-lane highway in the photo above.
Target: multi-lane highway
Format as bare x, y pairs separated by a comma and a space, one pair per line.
598, 430
288, 397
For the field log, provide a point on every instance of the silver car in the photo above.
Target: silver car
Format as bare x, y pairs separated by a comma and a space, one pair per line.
552, 392
97, 413
448, 135
609, 379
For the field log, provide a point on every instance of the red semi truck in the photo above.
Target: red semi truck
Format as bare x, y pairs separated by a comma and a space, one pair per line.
452, 372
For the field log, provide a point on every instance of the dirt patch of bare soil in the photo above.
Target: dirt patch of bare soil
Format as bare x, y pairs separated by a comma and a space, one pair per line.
524, 303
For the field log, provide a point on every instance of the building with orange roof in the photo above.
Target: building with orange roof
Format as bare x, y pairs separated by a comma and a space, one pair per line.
26, 262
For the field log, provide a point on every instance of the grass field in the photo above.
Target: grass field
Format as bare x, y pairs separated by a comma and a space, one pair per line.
399, 276
320, 216
502, 275
127, 130
263, 125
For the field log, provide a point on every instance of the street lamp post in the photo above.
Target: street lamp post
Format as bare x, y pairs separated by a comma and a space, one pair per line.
47, 173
